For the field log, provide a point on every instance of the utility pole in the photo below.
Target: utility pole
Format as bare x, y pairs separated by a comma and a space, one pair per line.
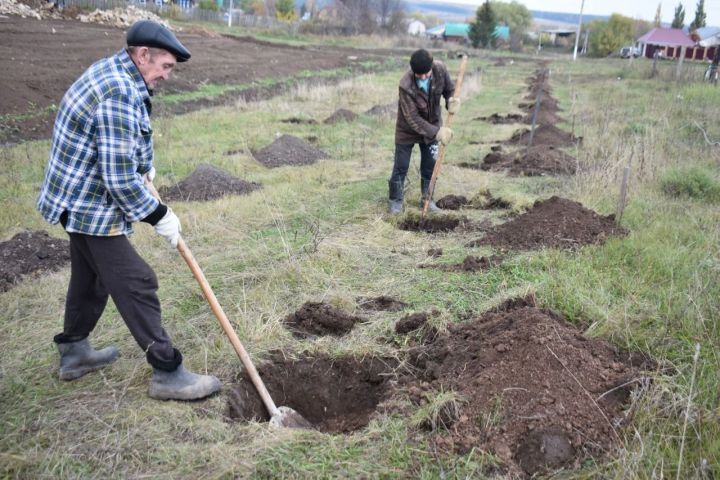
577, 34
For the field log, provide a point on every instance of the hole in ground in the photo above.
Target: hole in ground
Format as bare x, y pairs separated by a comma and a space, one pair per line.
336, 395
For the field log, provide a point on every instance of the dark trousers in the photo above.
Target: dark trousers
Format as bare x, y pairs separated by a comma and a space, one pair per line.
428, 156
110, 266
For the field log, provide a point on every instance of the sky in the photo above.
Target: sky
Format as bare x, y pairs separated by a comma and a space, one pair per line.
644, 9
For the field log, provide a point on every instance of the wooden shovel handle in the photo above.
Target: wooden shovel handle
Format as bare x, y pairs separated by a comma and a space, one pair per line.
441, 153
222, 318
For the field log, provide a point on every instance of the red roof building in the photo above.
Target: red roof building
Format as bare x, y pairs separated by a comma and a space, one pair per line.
669, 43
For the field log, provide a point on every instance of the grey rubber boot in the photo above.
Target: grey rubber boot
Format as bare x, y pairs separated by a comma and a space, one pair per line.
395, 204
79, 358
424, 187
182, 384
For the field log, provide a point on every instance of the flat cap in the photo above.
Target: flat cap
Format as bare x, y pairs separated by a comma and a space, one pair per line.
146, 33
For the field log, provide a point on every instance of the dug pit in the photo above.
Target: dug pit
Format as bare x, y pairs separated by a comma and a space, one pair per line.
544, 135
336, 395
532, 389
382, 303
430, 224
288, 150
552, 223
320, 319
207, 183
30, 254
471, 263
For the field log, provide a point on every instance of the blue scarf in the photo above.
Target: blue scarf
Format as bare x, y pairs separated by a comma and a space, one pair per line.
424, 84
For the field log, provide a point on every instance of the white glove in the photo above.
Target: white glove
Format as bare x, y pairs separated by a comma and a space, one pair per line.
169, 227
453, 105
150, 174
444, 135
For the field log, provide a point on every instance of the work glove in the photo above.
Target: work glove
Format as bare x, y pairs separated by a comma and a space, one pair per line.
169, 227
453, 105
444, 135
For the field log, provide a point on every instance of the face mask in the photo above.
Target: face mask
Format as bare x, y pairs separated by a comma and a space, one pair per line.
423, 84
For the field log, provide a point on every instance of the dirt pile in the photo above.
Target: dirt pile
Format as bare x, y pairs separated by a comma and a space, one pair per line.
470, 263
430, 224
288, 150
335, 395
382, 303
534, 161
30, 253
340, 115
121, 17
319, 319
300, 121
487, 201
207, 183
544, 135
500, 119
380, 110
552, 223
532, 389
452, 202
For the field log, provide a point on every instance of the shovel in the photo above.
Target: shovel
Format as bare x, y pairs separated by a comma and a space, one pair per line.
441, 153
279, 416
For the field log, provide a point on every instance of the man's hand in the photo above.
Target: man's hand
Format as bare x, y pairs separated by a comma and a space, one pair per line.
444, 135
453, 105
150, 175
169, 227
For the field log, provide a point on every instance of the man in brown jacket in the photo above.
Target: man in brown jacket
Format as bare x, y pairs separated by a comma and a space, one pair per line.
419, 121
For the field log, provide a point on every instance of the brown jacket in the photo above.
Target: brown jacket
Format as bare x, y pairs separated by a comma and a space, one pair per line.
419, 115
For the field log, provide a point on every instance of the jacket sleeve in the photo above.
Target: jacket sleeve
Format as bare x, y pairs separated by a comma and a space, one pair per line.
413, 118
117, 128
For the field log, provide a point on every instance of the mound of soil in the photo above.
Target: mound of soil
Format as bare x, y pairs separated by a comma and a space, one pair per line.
318, 319
382, 303
289, 150
534, 161
340, 115
435, 252
544, 135
552, 223
486, 201
544, 117
430, 224
547, 103
499, 119
335, 395
379, 110
452, 202
207, 183
471, 263
533, 389
411, 322
30, 253
300, 121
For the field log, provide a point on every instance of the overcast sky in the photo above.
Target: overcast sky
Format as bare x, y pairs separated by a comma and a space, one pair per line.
644, 9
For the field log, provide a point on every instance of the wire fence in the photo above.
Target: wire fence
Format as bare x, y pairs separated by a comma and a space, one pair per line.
185, 10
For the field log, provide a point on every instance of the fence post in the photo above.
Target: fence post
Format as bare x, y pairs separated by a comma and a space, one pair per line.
623, 195
680, 62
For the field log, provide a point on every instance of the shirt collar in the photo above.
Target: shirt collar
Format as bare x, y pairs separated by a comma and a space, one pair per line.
129, 66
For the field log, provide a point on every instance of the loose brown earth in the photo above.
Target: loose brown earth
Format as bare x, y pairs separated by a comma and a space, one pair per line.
532, 389
500, 119
381, 110
340, 115
317, 319
207, 183
30, 253
430, 224
300, 121
36, 78
470, 263
548, 135
381, 303
534, 161
552, 223
336, 395
289, 150
417, 328
452, 202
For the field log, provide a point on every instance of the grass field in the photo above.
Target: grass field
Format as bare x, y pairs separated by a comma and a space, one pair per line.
320, 233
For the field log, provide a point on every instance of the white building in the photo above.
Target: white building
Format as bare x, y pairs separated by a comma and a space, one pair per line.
416, 27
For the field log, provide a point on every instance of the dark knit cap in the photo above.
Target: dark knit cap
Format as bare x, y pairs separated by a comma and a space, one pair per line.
421, 61
146, 33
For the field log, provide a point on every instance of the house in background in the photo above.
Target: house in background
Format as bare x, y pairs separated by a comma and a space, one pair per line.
669, 42
416, 27
460, 32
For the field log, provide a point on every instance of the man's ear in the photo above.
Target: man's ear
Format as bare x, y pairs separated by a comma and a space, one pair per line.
143, 55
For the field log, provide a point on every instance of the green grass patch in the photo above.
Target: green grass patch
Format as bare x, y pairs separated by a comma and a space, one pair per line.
695, 182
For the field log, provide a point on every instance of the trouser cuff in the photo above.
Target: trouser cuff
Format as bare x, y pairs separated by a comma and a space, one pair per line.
65, 338
166, 365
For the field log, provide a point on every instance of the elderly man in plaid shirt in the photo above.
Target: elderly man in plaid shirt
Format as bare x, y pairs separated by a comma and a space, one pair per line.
94, 186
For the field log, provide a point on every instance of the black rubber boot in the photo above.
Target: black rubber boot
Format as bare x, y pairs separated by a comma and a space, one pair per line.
79, 358
424, 187
395, 204
182, 384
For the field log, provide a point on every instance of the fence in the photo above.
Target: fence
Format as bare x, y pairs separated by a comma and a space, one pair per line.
184, 11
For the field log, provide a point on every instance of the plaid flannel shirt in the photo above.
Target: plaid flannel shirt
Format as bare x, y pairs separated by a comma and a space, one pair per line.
101, 147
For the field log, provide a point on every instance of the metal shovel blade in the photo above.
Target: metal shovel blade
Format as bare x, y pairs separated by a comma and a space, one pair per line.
288, 418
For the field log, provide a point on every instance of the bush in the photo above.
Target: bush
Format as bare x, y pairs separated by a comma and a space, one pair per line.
210, 5
693, 182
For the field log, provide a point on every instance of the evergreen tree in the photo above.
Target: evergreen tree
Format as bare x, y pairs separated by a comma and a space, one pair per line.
679, 18
482, 30
658, 15
700, 16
